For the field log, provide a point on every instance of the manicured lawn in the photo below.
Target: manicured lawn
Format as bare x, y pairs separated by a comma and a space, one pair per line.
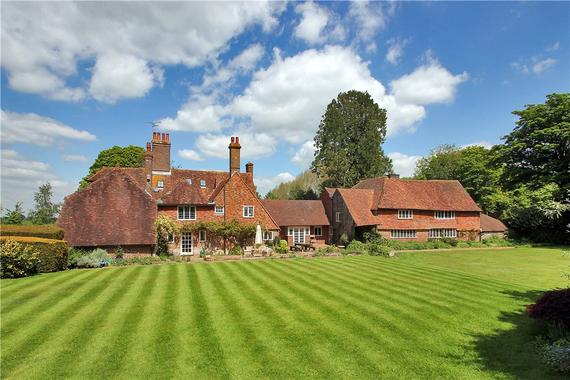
423, 315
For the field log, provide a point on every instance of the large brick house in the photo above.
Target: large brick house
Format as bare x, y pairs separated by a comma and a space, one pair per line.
403, 209
120, 205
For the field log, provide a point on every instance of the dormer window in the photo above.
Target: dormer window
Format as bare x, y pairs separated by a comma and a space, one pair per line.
202, 183
189, 181
160, 184
219, 210
405, 214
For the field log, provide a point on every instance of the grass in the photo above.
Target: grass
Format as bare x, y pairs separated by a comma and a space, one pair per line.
422, 315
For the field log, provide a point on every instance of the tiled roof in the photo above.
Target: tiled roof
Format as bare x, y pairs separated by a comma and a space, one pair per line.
490, 224
360, 203
287, 212
395, 193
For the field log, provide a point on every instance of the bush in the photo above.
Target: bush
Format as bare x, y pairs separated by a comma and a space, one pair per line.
343, 240
282, 247
87, 259
553, 307
556, 354
46, 232
18, 260
119, 252
356, 246
236, 250
378, 249
449, 241
51, 254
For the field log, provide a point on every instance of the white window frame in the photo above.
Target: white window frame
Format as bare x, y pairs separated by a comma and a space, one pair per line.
444, 215
160, 184
246, 211
299, 233
190, 208
203, 183
267, 237
200, 236
438, 233
405, 214
337, 216
403, 234
184, 243
320, 228
219, 210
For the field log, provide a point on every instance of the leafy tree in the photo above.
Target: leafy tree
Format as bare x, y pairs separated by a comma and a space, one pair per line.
348, 142
15, 216
441, 163
117, 156
45, 211
305, 186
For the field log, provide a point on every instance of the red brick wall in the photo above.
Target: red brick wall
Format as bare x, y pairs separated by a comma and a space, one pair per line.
131, 250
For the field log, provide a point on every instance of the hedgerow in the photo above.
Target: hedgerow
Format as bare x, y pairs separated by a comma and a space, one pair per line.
47, 231
18, 260
51, 253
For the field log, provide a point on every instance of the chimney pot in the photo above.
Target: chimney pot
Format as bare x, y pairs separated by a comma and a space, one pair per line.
237, 139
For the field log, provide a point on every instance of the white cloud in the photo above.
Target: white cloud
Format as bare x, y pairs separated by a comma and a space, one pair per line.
21, 177
404, 164
305, 155
370, 17
190, 154
484, 144
42, 57
543, 65
248, 59
430, 83
555, 46
75, 157
264, 183
252, 144
314, 19
520, 66
395, 50
199, 114
30, 128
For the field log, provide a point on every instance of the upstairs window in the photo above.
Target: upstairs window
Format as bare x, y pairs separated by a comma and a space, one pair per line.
202, 183
337, 217
219, 210
189, 181
405, 214
186, 213
444, 215
248, 211
403, 234
160, 184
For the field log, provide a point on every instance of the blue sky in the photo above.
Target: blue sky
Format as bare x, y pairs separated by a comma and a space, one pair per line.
81, 77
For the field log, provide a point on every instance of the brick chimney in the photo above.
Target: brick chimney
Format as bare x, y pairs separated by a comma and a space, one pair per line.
160, 152
393, 175
234, 155
148, 159
249, 168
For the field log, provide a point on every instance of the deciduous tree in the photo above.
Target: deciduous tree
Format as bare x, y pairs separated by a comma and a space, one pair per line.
117, 156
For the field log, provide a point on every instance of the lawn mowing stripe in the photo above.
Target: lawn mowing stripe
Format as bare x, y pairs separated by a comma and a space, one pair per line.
80, 328
140, 355
335, 326
10, 287
39, 331
214, 363
301, 355
462, 296
354, 300
41, 289
256, 357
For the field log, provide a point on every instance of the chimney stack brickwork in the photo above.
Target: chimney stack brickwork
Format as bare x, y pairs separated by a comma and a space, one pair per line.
160, 152
234, 149
249, 168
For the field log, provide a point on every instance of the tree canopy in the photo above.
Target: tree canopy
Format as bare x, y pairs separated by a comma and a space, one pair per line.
45, 211
305, 186
348, 141
15, 216
126, 157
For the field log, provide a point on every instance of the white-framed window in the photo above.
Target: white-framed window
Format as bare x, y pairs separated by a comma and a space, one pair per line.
248, 211
219, 210
318, 230
405, 214
189, 181
202, 183
436, 233
268, 235
186, 243
337, 216
444, 214
160, 184
186, 213
202, 235
299, 233
403, 234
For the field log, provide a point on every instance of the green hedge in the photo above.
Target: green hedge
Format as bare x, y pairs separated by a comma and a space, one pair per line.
47, 232
51, 254
18, 260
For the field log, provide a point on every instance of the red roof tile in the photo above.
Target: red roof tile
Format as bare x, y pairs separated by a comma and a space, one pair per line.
490, 224
287, 212
360, 203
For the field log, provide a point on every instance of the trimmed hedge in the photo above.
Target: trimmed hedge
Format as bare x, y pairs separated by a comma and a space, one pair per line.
18, 260
46, 232
51, 253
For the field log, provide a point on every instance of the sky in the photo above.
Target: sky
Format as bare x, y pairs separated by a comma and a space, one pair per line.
77, 78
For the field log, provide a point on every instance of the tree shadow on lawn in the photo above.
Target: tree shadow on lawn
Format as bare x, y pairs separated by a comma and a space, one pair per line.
511, 353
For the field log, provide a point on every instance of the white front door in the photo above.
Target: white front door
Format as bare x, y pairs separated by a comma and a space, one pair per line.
299, 234
186, 243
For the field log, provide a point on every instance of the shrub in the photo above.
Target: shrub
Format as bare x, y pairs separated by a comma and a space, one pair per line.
449, 241
119, 252
51, 254
46, 232
87, 259
356, 246
378, 249
236, 250
556, 354
18, 260
276, 241
282, 247
553, 307
343, 240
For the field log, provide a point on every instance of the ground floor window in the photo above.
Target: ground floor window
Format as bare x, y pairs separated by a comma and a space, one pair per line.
268, 235
318, 230
299, 234
436, 233
403, 234
202, 235
186, 243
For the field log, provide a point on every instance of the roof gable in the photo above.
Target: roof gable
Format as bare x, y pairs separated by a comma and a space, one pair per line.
287, 212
